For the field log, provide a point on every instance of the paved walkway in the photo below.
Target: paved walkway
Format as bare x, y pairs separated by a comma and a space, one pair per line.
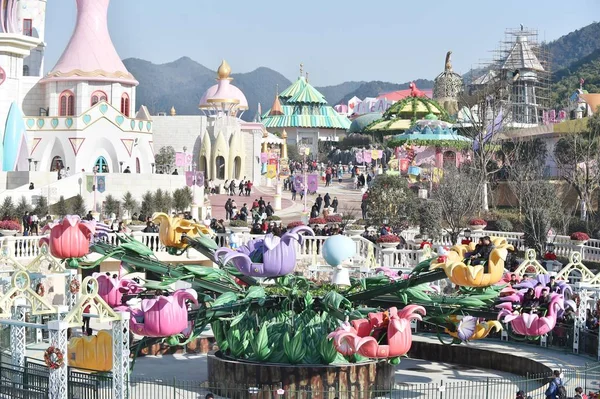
349, 200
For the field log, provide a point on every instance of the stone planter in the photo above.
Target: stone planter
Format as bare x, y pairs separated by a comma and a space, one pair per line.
477, 227
239, 229
136, 227
578, 242
354, 233
389, 245
225, 373
321, 225
9, 233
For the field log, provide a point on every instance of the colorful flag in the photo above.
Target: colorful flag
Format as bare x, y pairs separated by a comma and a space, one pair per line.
313, 183
367, 156
271, 171
189, 178
299, 183
101, 181
264, 157
359, 157
179, 159
89, 182
200, 179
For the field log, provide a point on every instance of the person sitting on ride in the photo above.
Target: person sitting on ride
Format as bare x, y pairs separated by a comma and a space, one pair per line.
482, 255
529, 300
544, 300
513, 279
552, 284
478, 246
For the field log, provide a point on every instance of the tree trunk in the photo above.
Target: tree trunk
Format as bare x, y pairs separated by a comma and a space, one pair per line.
484, 196
454, 237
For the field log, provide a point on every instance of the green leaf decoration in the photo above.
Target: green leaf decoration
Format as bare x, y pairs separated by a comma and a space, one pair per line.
225, 298
327, 351
255, 292
260, 344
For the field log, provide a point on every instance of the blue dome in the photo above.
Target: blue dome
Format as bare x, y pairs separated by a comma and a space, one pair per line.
359, 124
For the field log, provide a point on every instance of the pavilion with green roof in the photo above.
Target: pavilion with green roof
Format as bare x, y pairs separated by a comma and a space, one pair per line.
305, 115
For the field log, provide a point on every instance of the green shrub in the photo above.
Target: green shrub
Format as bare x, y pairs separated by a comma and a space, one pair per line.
504, 225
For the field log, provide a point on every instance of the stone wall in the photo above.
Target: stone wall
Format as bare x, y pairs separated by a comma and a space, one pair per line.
475, 357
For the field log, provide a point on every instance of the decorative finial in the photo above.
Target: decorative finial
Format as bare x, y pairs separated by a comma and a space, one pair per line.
448, 66
301, 69
173, 112
277, 90
284, 134
306, 77
224, 70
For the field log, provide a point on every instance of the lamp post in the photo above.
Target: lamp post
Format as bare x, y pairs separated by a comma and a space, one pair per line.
152, 167
30, 159
304, 149
120, 166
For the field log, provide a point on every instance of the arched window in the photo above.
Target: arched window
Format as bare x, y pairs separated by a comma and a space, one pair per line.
25, 70
449, 159
66, 103
57, 164
220, 161
125, 104
237, 168
98, 96
101, 165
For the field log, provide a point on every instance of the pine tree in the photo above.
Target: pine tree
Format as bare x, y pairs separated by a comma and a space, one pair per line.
79, 207
23, 206
7, 210
41, 207
112, 205
62, 209
129, 203
148, 205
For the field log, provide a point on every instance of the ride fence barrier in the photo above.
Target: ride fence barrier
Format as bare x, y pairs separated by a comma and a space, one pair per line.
587, 378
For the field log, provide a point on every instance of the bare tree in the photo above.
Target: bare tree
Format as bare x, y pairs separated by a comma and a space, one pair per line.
390, 201
577, 156
539, 204
459, 197
483, 117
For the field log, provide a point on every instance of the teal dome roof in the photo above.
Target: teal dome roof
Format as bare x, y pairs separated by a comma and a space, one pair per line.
430, 131
359, 124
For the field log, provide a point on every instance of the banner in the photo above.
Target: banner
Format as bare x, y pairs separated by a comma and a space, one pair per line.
375, 154
313, 183
200, 179
284, 169
273, 156
367, 156
299, 183
404, 165
189, 179
359, 157
264, 157
271, 171
179, 159
101, 181
89, 183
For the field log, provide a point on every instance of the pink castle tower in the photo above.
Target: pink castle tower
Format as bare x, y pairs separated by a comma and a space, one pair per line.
90, 54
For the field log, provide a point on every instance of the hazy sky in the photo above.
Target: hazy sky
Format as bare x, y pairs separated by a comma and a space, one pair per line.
390, 40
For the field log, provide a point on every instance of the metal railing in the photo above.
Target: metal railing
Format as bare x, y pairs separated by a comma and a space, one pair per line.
479, 388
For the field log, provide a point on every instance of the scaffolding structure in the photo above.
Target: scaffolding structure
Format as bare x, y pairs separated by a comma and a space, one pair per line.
521, 66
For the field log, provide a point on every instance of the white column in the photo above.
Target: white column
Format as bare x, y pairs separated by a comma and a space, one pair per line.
71, 297
120, 333
17, 338
58, 377
580, 319
277, 198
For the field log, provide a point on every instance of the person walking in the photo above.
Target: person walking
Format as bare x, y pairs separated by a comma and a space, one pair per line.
232, 187
227, 209
327, 200
241, 188
556, 389
334, 204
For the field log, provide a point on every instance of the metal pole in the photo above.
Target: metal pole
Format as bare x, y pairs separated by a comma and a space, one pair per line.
305, 167
95, 187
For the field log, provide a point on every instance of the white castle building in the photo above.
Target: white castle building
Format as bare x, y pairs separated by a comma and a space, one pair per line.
81, 114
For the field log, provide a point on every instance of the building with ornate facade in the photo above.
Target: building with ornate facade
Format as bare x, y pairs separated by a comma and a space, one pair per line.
306, 116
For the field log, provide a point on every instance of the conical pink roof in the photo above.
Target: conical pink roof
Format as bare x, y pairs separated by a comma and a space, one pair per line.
90, 54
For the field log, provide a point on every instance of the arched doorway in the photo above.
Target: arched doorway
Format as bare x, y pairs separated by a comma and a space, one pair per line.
237, 168
220, 164
203, 167
101, 165
137, 166
56, 164
449, 159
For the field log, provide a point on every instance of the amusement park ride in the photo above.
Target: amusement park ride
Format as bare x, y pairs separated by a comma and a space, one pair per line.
259, 309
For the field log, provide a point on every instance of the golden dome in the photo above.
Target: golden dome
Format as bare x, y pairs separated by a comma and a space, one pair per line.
224, 70
173, 112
